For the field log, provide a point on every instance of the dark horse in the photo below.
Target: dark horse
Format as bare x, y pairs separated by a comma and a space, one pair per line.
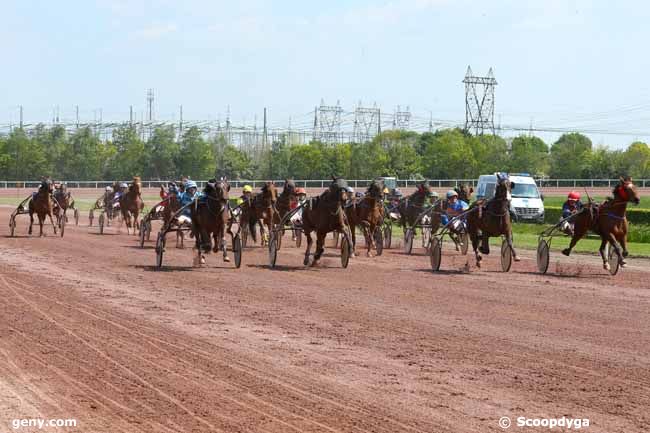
260, 207
410, 207
42, 204
464, 192
285, 203
131, 204
367, 212
491, 218
608, 220
64, 201
210, 217
171, 204
324, 214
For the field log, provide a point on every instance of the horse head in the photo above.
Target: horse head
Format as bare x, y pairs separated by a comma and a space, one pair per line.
503, 187
464, 192
289, 188
338, 189
376, 189
269, 192
215, 189
626, 191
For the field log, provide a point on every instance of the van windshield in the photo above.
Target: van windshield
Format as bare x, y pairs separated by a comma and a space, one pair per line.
525, 190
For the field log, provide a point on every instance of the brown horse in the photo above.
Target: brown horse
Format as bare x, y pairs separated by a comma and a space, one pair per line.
131, 205
210, 217
410, 207
464, 192
608, 220
171, 205
285, 199
324, 214
63, 201
491, 218
43, 205
367, 212
260, 207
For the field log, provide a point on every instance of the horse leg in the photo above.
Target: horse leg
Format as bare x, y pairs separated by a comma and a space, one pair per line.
475, 244
52, 221
622, 240
353, 229
601, 250
574, 240
31, 222
320, 242
368, 238
308, 250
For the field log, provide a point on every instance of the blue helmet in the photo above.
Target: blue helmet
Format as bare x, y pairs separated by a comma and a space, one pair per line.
190, 184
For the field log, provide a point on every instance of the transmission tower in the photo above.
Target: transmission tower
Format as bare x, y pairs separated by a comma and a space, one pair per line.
327, 123
366, 123
479, 102
402, 119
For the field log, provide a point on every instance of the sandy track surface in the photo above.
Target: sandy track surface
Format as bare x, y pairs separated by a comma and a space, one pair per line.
89, 330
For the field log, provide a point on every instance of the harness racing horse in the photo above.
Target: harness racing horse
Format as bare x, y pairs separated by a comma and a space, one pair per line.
172, 204
210, 217
285, 203
63, 201
608, 220
367, 212
131, 205
261, 207
464, 192
491, 218
410, 207
43, 205
324, 214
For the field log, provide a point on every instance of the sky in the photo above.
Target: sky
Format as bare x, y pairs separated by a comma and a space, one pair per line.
574, 65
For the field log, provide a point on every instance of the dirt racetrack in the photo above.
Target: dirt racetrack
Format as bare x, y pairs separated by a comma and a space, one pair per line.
90, 331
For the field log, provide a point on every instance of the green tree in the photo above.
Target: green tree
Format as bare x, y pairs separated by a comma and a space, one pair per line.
490, 152
448, 154
568, 154
83, 156
27, 158
336, 160
197, 157
369, 160
162, 150
306, 162
234, 163
529, 155
600, 163
405, 163
636, 160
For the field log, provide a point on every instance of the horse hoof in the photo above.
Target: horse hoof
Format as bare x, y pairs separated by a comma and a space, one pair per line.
516, 259
606, 266
566, 252
314, 263
226, 258
202, 260
306, 261
625, 253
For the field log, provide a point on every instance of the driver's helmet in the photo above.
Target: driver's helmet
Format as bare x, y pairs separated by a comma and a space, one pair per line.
109, 189
247, 188
190, 184
123, 185
397, 192
451, 193
300, 191
433, 194
349, 189
574, 196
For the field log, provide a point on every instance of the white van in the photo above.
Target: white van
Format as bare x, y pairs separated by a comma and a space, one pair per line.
527, 202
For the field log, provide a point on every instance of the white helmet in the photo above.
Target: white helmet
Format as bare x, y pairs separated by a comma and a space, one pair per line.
123, 185
109, 188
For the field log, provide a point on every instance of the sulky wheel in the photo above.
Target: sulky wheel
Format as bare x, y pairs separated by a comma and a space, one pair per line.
543, 256
379, 240
408, 241
346, 250
12, 226
506, 256
388, 236
143, 234
464, 243
273, 249
62, 221
160, 249
101, 223
612, 258
435, 253
237, 250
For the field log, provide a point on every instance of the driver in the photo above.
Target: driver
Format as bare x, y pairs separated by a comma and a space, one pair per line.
570, 207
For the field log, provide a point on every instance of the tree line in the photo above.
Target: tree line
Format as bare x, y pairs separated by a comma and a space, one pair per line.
448, 153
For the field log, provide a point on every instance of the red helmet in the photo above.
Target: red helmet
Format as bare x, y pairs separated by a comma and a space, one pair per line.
574, 195
301, 191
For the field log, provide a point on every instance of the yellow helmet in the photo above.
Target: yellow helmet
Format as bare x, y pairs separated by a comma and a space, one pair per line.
248, 188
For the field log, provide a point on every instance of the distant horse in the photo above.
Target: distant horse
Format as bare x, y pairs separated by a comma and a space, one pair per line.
64, 201
324, 214
608, 220
260, 207
410, 207
131, 205
491, 218
43, 205
367, 212
210, 217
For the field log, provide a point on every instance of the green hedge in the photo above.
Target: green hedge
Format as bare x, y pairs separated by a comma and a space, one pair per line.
552, 215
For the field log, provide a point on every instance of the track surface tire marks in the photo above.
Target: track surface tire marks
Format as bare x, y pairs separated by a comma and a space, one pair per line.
88, 330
